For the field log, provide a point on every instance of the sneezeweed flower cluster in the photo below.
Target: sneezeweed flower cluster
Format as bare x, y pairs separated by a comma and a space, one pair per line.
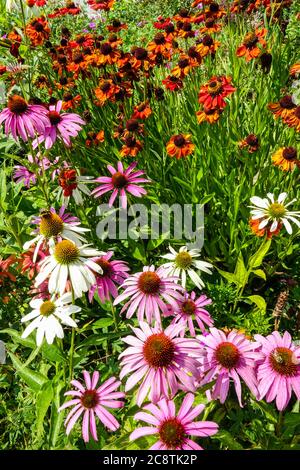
85, 131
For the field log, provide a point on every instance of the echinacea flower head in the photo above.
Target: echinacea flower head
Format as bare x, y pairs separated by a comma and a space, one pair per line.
191, 309
48, 316
229, 356
92, 401
278, 373
53, 226
160, 360
173, 429
22, 119
23, 175
69, 262
121, 182
272, 212
113, 273
62, 126
149, 293
286, 158
184, 263
73, 184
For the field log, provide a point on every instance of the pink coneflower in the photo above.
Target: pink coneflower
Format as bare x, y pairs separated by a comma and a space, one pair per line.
62, 126
90, 401
228, 357
279, 372
114, 272
174, 428
190, 308
23, 175
147, 291
22, 119
28, 177
121, 182
161, 360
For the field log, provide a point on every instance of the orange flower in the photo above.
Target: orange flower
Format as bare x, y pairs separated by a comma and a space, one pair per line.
70, 101
133, 126
180, 146
214, 11
250, 48
295, 69
160, 45
250, 143
131, 147
95, 138
107, 55
261, 232
105, 5
283, 108
172, 83
140, 58
38, 31
106, 91
293, 119
210, 27
116, 26
209, 115
4, 269
142, 111
207, 46
78, 64
185, 30
212, 94
182, 68
286, 158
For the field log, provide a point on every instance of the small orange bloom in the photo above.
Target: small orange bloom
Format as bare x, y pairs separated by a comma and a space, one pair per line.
209, 115
131, 147
180, 146
38, 31
207, 46
4, 269
104, 5
78, 64
250, 143
142, 111
250, 48
210, 27
182, 68
172, 83
70, 101
212, 94
293, 119
160, 45
107, 55
286, 158
95, 138
283, 108
261, 232
295, 69
106, 91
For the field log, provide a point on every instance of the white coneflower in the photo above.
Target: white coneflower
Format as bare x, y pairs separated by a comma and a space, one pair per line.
48, 316
53, 226
273, 213
182, 263
68, 261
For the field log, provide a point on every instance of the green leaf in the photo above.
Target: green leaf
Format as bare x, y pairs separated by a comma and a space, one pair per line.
3, 187
16, 337
228, 440
57, 417
260, 273
258, 301
229, 276
258, 257
34, 380
43, 402
53, 353
103, 323
241, 272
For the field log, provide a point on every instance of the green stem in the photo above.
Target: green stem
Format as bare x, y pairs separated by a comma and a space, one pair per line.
71, 352
279, 424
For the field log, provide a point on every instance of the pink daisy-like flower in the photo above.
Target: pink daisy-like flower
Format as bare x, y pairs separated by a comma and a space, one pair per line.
62, 126
174, 428
228, 357
119, 182
279, 372
22, 119
147, 291
163, 361
114, 272
90, 400
23, 175
190, 308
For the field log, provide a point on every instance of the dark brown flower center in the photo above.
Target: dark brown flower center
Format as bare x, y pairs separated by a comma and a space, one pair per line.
105, 86
187, 27
207, 40
297, 112
116, 23
284, 362
214, 87
250, 40
170, 28
159, 39
214, 7
17, 104
188, 307
149, 282
192, 52
78, 58
38, 27
182, 63
179, 140
209, 23
130, 142
140, 53
289, 153
159, 350
287, 102
132, 125
172, 433
252, 140
106, 48
119, 180
227, 354
54, 117
89, 399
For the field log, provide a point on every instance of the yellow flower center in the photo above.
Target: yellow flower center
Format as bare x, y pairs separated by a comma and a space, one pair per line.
51, 224
47, 308
66, 252
183, 260
277, 210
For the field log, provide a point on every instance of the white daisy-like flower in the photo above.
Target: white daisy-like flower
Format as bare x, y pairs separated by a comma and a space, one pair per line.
48, 316
182, 263
53, 226
69, 262
274, 212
